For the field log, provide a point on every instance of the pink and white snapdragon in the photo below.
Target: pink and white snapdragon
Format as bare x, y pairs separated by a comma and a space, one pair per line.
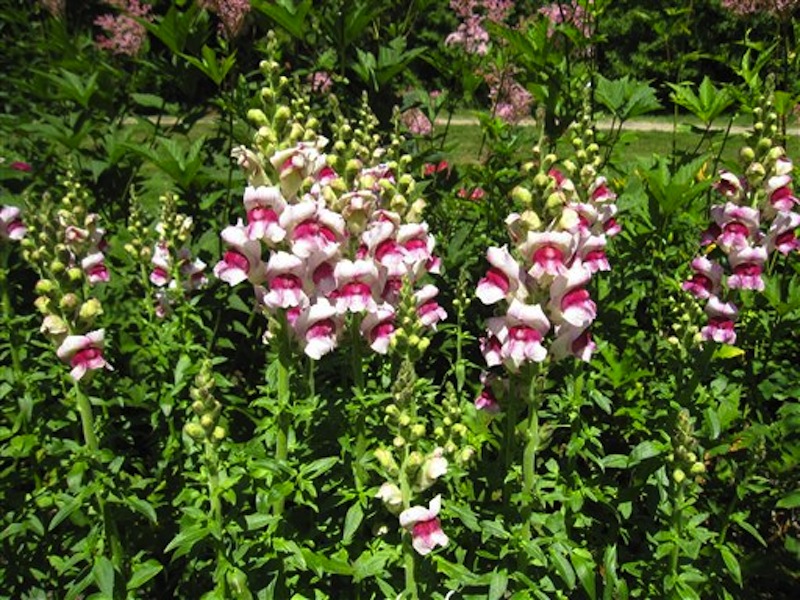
424, 526
540, 285
84, 353
331, 243
11, 225
757, 219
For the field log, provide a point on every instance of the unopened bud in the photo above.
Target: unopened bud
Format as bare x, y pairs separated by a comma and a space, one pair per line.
747, 154
69, 302
207, 421
195, 431
44, 286
90, 309
522, 195
698, 468
74, 274
399, 441
218, 434
257, 117
678, 476
57, 267
417, 430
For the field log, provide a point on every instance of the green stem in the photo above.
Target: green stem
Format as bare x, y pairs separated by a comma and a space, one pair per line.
536, 388
284, 397
212, 468
7, 314
359, 473
677, 527
84, 407
409, 557
87, 419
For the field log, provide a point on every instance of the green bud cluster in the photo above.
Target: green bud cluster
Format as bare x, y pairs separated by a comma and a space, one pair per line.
206, 408
684, 449
409, 338
60, 235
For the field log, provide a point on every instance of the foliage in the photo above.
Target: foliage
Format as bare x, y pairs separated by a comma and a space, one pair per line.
324, 433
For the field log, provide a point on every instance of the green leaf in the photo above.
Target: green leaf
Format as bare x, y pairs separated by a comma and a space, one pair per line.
642, 452
725, 351
259, 520
352, 520
184, 362
732, 564
498, 585
72, 504
584, 565
562, 565
183, 542
143, 573
143, 507
103, 572
792, 500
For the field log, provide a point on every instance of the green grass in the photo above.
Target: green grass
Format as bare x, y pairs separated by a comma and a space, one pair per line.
463, 144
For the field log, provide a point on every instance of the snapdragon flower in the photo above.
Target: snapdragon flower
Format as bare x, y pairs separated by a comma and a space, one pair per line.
757, 219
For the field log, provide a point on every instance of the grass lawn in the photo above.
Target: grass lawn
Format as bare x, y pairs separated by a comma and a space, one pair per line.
463, 143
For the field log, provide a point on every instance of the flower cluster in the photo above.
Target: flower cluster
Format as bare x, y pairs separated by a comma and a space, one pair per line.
541, 283
573, 13
471, 34
756, 219
328, 236
123, 34
408, 471
742, 8
174, 271
66, 247
511, 101
231, 14
54, 7
207, 409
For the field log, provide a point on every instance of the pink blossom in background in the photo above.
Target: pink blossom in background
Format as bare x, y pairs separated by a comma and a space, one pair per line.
231, 14
417, 122
122, 33
19, 165
780, 8
54, 7
572, 13
320, 82
511, 101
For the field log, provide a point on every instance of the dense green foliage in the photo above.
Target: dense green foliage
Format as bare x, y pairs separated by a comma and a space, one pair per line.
211, 443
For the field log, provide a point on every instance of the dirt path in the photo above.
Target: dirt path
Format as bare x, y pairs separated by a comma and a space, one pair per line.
631, 125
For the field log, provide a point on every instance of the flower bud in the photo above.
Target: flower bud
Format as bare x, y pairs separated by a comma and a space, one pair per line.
747, 154
385, 459
54, 326
404, 420
257, 117
531, 220
195, 431
42, 304
90, 309
678, 476
74, 274
522, 195
57, 267
207, 421
415, 459
218, 434
44, 286
698, 468
391, 496
399, 441
69, 302
417, 430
